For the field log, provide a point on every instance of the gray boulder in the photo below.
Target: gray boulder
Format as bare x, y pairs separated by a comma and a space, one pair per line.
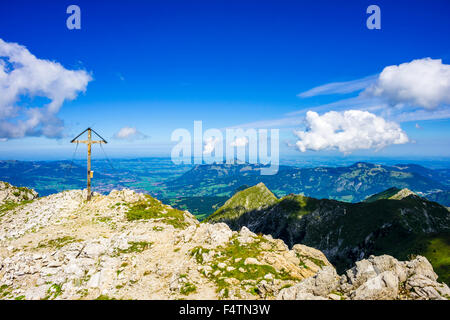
422, 288
383, 286
376, 278
319, 286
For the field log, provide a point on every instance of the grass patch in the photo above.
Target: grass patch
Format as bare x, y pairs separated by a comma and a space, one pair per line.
135, 246
150, 208
254, 291
53, 292
104, 297
57, 243
188, 288
5, 291
287, 285
317, 262
197, 253
82, 293
11, 205
103, 219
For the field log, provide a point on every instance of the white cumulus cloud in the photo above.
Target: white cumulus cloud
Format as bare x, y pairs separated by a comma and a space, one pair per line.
423, 83
23, 77
239, 142
129, 133
348, 131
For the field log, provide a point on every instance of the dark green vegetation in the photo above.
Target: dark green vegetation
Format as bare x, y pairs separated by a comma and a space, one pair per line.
201, 207
347, 232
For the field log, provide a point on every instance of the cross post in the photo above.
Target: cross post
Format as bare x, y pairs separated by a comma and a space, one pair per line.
89, 143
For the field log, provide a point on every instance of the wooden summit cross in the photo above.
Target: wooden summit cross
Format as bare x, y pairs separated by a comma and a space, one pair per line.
89, 142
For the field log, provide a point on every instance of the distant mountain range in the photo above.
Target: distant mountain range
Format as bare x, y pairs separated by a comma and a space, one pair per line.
395, 222
352, 184
201, 189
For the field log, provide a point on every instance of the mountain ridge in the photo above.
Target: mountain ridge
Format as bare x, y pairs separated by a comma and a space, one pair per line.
353, 183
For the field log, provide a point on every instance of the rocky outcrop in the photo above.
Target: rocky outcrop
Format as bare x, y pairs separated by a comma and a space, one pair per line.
317, 287
403, 193
9, 193
376, 278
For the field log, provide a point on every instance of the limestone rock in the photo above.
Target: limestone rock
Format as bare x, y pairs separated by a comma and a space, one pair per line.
320, 285
421, 266
251, 261
246, 236
370, 268
376, 278
424, 288
383, 286
9, 193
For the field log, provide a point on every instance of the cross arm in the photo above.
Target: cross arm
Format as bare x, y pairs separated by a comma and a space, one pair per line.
87, 141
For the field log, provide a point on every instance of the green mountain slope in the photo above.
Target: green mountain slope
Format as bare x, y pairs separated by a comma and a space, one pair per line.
347, 232
254, 198
200, 207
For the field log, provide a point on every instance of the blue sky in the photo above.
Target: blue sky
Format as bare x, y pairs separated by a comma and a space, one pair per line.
160, 65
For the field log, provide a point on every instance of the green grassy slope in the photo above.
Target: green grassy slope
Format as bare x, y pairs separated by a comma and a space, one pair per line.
250, 199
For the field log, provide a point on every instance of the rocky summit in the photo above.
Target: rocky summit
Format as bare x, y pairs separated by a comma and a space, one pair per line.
128, 245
